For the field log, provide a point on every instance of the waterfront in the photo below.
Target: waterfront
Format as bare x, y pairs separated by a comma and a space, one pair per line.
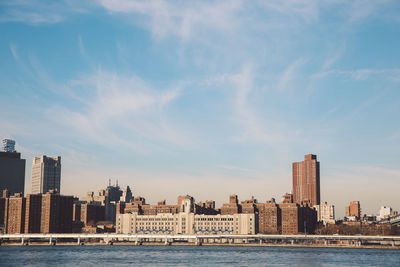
193, 256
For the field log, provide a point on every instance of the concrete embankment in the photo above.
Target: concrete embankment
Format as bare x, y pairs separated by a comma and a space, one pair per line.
203, 244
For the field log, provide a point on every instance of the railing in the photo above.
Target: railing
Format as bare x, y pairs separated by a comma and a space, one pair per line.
198, 239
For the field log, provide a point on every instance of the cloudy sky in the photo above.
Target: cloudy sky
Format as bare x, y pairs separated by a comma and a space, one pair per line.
207, 98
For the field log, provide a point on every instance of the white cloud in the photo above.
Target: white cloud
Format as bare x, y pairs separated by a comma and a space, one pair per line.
38, 12
121, 110
253, 129
306, 9
179, 18
289, 75
364, 74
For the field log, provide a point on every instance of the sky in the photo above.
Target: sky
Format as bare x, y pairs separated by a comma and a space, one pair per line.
206, 98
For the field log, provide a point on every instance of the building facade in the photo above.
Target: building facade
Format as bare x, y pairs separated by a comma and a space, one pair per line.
46, 174
325, 213
38, 213
306, 181
384, 212
14, 215
269, 218
33, 213
354, 210
185, 222
12, 169
90, 214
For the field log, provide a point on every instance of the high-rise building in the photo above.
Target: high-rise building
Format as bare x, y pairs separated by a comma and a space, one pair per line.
8, 145
12, 169
306, 181
46, 174
354, 209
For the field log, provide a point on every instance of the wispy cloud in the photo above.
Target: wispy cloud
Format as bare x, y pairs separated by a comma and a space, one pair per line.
289, 74
38, 12
253, 129
125, 110
308, 10
178, 18
364, 74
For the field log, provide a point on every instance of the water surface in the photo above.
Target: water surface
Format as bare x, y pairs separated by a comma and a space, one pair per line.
194, 256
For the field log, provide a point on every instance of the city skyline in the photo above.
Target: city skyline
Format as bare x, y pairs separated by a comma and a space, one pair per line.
206, 98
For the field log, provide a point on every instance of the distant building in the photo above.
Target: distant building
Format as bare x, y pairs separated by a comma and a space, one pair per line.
232, 207
38, 213
306, 181
90, 214
297, 219
126, 195
33, 213
384, 212
185, 222
109, 198
14, 215
46, 174
354, 210
269, 218
2, 211
288, 198
325, 213
12, 169
140, 207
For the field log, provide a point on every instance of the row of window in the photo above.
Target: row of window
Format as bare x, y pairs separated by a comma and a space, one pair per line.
214, 219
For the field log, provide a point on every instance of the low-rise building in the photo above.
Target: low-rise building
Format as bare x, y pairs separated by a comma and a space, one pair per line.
185, 222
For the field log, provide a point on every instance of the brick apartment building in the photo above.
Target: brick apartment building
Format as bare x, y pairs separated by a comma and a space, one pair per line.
273, 218
38, 213
140, 207
354, 209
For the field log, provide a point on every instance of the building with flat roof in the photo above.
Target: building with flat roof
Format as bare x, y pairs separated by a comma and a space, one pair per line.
46, 174
185, 222
306, 181
354, 210
14, 214
325, 213
12, 169
384, 212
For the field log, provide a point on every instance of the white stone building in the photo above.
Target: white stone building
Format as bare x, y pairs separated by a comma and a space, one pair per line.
185, 222
325, 213
384, 212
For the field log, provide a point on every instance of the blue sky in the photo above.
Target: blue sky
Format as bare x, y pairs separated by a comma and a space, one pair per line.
207, 98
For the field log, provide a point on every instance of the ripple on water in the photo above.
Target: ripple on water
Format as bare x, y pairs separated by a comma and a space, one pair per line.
194, 256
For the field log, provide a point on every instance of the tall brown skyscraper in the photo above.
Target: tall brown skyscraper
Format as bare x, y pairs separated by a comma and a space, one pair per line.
306, 185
